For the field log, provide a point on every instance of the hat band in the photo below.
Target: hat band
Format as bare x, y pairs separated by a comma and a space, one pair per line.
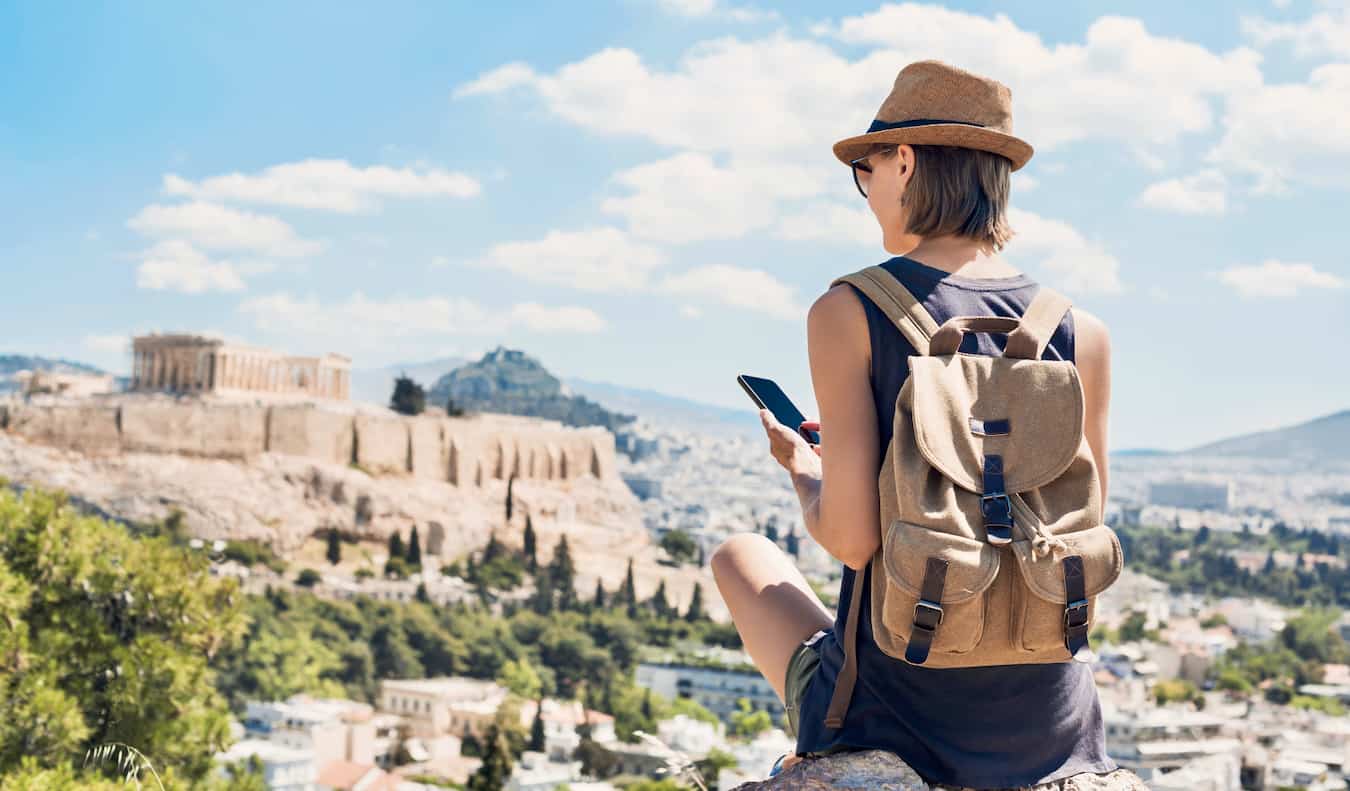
879, 125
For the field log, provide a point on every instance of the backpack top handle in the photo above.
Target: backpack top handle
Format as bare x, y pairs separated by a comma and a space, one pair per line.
1027, 335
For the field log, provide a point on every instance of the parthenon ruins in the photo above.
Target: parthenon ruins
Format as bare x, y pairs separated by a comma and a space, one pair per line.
199, 364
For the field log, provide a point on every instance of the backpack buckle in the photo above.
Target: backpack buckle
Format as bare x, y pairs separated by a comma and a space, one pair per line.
1073, 607
927, 607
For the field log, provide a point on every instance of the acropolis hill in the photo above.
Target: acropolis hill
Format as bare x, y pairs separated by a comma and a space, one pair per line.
251, 444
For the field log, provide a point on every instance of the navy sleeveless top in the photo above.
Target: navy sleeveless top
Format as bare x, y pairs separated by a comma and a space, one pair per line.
983, 727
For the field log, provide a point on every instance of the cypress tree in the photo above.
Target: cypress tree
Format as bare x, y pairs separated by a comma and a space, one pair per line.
530, 549
510, 482
598, 603
395, 545
563, 575
628, 593
414, 549
537, 729
658, 600
334, 547
495, 769
695, 611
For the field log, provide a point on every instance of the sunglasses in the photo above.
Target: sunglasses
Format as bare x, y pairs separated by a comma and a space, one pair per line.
860, 165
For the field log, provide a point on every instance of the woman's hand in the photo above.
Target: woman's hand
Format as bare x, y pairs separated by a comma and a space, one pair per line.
789, 448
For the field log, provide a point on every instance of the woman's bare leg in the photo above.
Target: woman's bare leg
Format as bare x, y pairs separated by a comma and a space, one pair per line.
772, 605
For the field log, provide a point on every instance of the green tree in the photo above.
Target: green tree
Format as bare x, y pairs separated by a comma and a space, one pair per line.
396, 545
748, 722
628, 593
334, 547
562, 575
414, 549
598, 600
658, 602
537, 727
521, 678
1132, 628
308, 578
695, 612
680, 546
495, 768
106, 637
409, 398
529, 548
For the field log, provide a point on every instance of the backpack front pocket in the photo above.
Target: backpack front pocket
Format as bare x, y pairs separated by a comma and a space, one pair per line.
960, 612
1040, 601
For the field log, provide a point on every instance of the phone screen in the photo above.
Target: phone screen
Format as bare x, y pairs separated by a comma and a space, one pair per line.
768, 395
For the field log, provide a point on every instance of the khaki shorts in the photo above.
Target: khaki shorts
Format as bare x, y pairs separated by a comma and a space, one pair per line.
801, 667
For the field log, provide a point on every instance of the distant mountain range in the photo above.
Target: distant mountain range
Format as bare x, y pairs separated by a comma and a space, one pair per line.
1325, 438
11, 364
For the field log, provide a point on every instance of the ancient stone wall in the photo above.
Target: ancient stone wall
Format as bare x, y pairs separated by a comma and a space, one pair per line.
463, 451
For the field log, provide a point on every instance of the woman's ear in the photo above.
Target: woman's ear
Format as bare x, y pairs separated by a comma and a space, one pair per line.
904, 165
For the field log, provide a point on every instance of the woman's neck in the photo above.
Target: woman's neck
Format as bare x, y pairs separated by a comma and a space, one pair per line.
960, 255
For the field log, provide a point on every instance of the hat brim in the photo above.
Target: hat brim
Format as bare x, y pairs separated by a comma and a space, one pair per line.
1017, 150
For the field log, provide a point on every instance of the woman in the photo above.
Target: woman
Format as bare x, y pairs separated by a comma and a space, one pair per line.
935, 170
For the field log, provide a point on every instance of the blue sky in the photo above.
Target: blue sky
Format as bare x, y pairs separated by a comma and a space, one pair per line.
642, 191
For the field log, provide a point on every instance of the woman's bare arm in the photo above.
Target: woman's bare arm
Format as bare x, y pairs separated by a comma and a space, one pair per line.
1092, 358
842, 515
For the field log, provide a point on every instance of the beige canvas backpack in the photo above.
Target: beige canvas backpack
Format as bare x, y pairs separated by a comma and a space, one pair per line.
992, 548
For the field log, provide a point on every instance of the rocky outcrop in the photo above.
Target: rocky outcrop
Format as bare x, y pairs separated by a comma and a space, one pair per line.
878, 770
285, 500
465, 451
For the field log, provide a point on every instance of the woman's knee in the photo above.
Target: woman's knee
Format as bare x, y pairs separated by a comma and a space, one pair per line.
738, 552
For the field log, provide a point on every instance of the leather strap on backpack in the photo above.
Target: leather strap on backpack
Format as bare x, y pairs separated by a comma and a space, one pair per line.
927, 616
896, 301
848, 674
1076, 606
928, 611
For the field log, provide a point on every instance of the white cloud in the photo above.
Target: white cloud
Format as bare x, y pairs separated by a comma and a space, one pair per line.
691, 311
502, 78
775, 94
1290, 133
781, 93
1272, 278
1121, 83
702, 9
830, 221
1324, 34
750, 289
329, 184
1200, 193
1070, 261
566, 318
363, 321
688, 197
594, 259
107, 344
175, 265
216, 227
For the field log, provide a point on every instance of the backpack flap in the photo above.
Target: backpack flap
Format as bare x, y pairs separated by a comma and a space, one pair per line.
1028, 412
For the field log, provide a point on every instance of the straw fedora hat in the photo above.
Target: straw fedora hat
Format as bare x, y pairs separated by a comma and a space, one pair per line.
935, 103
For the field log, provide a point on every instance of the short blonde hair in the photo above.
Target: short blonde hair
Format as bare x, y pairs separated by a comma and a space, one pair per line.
960, 191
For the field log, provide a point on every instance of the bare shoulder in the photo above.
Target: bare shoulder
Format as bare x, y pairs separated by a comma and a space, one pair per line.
1092, 339
838, 311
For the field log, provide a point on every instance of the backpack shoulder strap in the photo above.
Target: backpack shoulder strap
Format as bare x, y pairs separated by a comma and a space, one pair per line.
899, 305
1038, 324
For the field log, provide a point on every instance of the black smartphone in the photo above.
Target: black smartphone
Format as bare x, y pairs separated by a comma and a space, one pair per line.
768, 395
